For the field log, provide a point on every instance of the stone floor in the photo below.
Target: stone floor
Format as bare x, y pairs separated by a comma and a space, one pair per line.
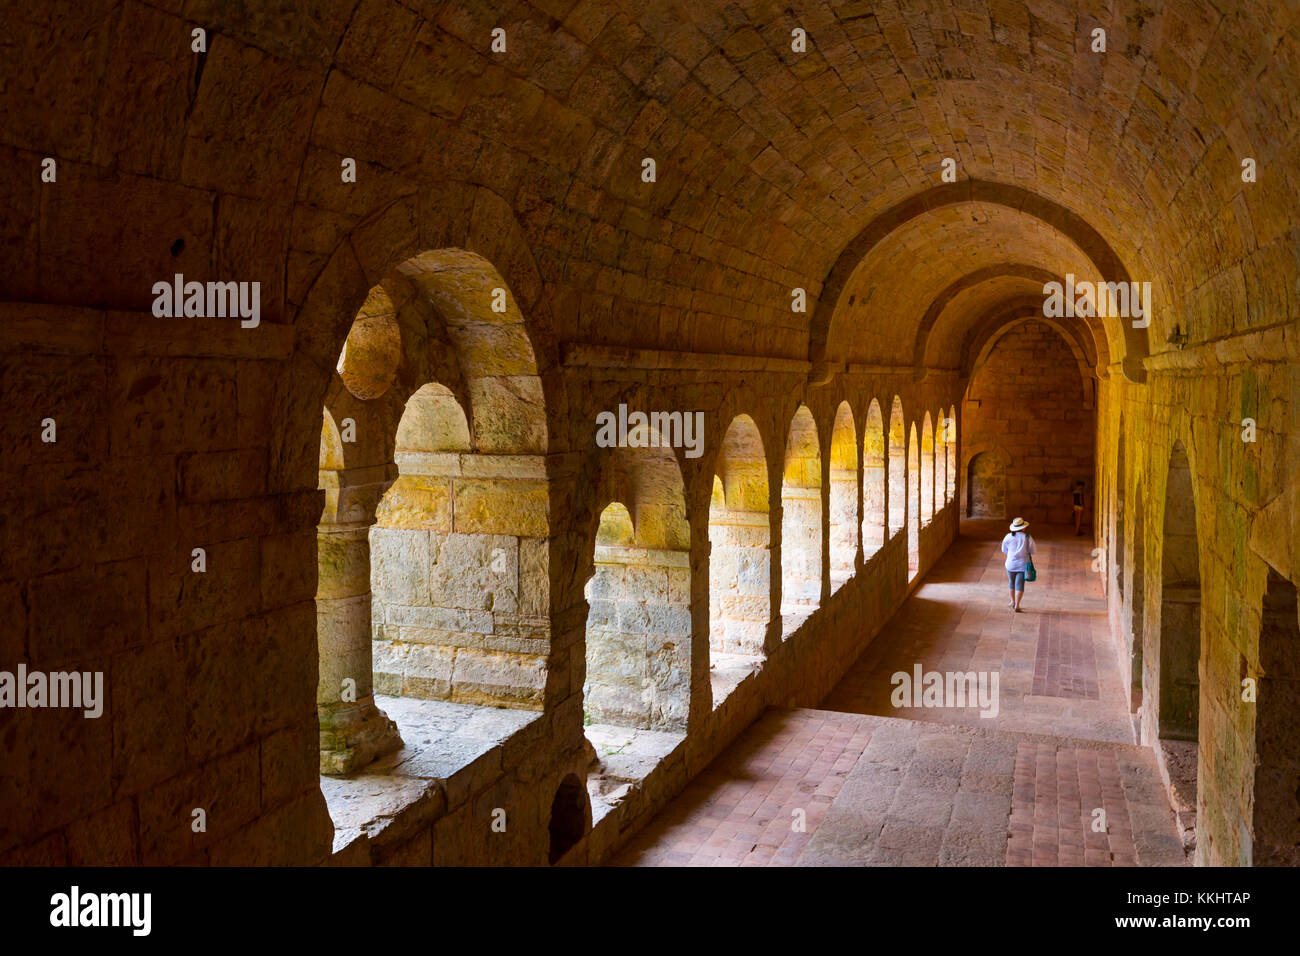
440, 739
1054, 778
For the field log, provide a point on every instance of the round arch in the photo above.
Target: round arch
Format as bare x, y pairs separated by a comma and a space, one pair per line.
1125, 339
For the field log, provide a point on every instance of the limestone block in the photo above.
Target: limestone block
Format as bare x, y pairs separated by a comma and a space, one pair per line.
399, 562
476, 572
63, 756
647, 584
343, 564
487, 676
227, 789
172, 405
182, 600
388, 660
261, 107
288, 573
107, 838
502, 507
534, 577
723, 572
417, 502
669, 619
70, 390
745, 637
70, 220
745, 608
753, 573
633, 617
679, 583
507, 418
18, 233
354, 119
427, 671
232, 684
750, 535
296, 832
616, 659
152, 736
606, 582
113, 595
289, 763
441, 618
366, 50
602, 615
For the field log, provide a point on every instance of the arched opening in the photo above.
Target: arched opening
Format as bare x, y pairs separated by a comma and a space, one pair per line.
1118, 543
456, 545
570, 817
1180, 606
372, 352
986, 486
866, 261
843, 497
740, 560
433, 576
1133, 612
950, 441
927, 470
940, 464
913, 505
895, 491
1171, 665
801, 523
874, 524
638, 626
1276, 838
636, 688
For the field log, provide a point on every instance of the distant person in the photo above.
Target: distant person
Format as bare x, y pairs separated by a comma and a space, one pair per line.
1018, 547
1078, 507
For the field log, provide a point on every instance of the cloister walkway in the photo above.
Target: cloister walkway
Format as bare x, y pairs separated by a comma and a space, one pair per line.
1054, 777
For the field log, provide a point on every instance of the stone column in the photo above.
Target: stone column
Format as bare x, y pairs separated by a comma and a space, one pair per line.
353, 731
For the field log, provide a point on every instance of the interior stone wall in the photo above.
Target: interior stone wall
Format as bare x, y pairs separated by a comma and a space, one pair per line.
1243, 496
639, 639
1026, 407
459, 581
184, 433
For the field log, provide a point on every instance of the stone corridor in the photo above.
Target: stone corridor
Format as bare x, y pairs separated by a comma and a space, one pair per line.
858, 782
535, 433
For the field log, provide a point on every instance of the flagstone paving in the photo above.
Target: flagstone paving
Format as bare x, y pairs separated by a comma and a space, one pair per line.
1054, 778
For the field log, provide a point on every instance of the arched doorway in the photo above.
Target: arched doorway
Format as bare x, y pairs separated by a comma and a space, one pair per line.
986, 486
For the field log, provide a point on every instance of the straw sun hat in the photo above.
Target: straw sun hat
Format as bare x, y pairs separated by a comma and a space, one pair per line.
1020, 524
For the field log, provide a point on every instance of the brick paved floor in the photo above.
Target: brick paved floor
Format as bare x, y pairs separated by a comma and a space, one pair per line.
861, 782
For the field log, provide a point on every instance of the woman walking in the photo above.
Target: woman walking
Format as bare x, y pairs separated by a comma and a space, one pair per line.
1018, 547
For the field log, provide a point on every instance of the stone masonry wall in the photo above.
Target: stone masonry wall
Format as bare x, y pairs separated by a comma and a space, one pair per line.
1026, 405
459, 581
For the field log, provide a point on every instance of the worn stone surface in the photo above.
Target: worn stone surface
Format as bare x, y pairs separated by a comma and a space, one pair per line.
520, 172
